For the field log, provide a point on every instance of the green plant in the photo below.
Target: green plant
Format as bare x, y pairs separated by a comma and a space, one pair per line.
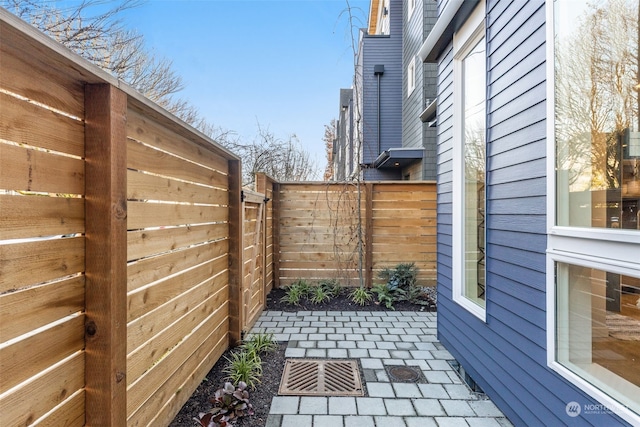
229, 403
384, 295
295, 292
319, 295
292, 295
244, 366
360, 296
402, 276
331, 287
260, 343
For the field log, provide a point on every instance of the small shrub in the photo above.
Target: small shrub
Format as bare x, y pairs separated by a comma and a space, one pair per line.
244, 367
292, 295
229, 403
260, 343
319, 295
402, 276
331, 287
384, 295
296, 292
360, 296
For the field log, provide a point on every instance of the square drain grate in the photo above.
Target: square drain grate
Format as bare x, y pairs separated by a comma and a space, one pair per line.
314, 377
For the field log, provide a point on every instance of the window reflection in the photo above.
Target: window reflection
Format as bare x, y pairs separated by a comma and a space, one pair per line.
598, 329
597, 123
474, 125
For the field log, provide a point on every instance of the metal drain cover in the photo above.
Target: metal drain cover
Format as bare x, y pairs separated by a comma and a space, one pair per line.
404, 373
313, 377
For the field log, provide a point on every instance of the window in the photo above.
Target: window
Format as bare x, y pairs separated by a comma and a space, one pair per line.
469, 122
593, 298
411, 77
411, 6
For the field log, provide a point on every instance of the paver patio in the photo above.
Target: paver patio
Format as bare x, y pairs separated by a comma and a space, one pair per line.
377, 340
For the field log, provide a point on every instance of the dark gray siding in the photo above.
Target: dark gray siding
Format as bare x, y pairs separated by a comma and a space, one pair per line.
412, 104
387, 51
507, 354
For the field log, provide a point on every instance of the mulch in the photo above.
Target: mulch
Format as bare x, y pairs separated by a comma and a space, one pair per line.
273, 363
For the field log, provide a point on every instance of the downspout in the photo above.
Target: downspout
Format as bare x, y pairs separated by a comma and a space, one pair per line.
378, 70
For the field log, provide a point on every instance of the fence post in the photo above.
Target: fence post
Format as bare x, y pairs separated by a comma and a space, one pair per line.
276, 234
368, 234
235, 252
106, 255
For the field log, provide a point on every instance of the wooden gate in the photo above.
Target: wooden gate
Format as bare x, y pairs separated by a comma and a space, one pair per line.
253, 277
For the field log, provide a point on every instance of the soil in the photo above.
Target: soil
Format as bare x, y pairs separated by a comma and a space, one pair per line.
273, 363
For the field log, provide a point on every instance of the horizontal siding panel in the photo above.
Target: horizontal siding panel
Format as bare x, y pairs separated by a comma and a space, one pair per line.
525, 188
535, 132
516, 206
516, 256
530, 151
521, 171
513, 100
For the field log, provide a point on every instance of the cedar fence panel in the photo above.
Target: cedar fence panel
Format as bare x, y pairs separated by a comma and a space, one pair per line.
120, 254
319, 226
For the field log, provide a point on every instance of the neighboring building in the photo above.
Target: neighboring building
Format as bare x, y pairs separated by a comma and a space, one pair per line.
418, 91
378, 86
344, 162
538, 192
391, 91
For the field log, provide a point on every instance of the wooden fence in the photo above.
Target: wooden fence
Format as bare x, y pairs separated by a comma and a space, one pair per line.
130, 258
120, 245
320, 225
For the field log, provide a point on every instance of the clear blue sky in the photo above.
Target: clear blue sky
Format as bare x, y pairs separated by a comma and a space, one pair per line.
280, 63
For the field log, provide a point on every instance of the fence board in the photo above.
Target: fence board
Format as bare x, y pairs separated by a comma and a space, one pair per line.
28, 309
154, 382
141, 359
69, 414
27, 357
38, 216
144, 158
199, 365
142, 186
24, 169
38, 75
149, 131
145, 215
143, 301
143, 272
143, 243
29, 263
21, 408
145, 327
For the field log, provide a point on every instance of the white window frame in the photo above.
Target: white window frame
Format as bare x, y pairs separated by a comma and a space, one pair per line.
411, 6
411, 76
465, 39
614, 251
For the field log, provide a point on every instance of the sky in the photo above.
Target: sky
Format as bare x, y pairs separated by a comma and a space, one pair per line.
279, 63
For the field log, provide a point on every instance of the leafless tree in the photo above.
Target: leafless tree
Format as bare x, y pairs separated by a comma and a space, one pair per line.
596, 90
282, 159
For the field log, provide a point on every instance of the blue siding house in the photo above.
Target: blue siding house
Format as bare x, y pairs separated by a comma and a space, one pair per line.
538, 149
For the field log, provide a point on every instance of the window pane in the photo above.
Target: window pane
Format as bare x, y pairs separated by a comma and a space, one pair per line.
598, 329
597, 123
474, 124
